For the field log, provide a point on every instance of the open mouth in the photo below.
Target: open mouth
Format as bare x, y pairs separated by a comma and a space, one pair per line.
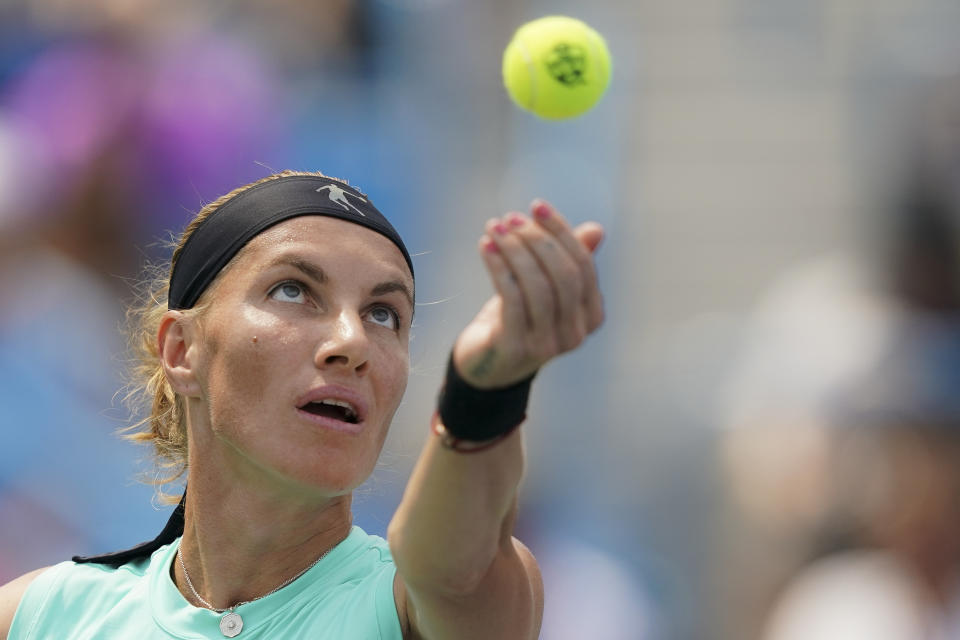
335, 409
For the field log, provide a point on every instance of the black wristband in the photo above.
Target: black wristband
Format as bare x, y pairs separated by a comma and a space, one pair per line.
478, 415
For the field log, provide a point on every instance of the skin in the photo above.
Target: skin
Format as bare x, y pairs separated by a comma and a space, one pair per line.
269, 490
274, 332
263, 345
464, 575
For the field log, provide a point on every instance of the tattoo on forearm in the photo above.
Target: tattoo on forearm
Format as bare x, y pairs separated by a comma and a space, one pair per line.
482, 368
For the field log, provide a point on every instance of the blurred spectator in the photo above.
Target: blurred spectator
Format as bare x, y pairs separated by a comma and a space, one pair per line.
843, 452
896, 572
67, 242
821, 326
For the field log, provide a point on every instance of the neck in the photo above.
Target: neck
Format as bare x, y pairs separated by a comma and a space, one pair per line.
239, 544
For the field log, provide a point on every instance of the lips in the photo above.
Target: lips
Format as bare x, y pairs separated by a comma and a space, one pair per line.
335, 407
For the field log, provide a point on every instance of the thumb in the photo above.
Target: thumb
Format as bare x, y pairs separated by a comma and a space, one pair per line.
590, 234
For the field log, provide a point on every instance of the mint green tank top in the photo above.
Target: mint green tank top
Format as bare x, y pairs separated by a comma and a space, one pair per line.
347, 595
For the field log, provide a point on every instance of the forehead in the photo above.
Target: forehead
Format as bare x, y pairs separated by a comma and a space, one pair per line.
328, 241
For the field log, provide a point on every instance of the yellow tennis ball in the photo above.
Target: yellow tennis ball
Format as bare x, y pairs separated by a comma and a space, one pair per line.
557, 67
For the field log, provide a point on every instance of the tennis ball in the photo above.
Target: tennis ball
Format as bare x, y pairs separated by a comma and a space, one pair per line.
557, 67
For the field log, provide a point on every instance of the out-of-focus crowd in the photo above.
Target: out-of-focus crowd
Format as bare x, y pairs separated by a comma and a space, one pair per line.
827, 503
844, 420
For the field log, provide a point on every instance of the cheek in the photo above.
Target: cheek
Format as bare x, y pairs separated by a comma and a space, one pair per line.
245, 370
245, 359
394, 381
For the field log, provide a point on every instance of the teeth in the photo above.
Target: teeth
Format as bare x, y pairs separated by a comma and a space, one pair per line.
351, 412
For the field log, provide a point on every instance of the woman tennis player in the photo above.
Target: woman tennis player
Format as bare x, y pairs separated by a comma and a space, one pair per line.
277, 356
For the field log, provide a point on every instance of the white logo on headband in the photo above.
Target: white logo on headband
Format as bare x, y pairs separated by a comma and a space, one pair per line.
339, 196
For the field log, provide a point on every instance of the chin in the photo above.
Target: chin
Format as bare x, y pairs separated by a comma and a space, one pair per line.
319, 468
331, 480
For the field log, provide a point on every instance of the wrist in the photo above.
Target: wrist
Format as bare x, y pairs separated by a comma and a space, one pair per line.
469, 417
451, 442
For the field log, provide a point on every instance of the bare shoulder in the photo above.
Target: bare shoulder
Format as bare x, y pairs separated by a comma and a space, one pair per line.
10, 596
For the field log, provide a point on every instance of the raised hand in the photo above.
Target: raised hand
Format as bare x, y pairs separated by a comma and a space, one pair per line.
547, 298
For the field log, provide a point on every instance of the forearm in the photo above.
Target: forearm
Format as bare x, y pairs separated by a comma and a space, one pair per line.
456, 513
460, 572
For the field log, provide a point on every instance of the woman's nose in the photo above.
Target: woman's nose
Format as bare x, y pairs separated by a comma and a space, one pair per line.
345, 344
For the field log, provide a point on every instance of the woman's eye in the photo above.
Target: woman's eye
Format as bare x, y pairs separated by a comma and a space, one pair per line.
385, 316
289, 292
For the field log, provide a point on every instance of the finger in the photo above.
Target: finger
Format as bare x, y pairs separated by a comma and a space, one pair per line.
538, 296
565, 278
580, 244
547, 216
591, 235
578, 249
514, 310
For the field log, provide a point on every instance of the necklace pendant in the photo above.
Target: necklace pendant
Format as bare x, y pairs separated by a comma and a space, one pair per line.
231, 624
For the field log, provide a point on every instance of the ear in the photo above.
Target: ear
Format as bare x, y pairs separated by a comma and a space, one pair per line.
176, 344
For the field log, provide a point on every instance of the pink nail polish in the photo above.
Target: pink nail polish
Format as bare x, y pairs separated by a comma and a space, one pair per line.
500, 228
542, 210
515, 220
490, 246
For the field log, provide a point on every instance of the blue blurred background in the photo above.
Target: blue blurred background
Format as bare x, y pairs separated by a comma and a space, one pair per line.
780, 183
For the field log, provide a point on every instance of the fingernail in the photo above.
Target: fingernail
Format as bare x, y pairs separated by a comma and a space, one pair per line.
515, 220
500, 228
541, 210
490, 246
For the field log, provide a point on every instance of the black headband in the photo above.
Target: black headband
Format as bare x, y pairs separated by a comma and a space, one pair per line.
224, 232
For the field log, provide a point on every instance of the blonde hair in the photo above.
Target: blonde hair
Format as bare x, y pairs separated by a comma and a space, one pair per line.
148, 393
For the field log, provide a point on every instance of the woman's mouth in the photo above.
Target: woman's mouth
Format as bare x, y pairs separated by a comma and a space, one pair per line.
336, 409
334, 406
332, 414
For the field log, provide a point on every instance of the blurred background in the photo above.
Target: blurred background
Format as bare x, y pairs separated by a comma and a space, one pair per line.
763, 440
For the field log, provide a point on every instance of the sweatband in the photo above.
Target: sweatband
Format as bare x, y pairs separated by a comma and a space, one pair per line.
225, 231
477, 415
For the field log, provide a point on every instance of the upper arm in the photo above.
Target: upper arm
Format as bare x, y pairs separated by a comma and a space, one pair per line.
507, 603
10, 596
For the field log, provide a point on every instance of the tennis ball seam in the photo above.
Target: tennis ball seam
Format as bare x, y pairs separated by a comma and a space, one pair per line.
531, 71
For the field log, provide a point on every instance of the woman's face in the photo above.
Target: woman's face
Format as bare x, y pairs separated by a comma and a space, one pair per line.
303, 352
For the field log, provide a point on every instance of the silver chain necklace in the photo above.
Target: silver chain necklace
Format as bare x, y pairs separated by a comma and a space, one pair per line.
232, 624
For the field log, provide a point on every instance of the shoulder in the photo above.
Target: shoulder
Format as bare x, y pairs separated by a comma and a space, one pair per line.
363, 552
349, 593
10, 596
84, 587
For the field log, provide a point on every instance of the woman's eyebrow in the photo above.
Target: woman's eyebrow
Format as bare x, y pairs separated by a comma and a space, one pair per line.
391, 286
317, 274
308, 268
